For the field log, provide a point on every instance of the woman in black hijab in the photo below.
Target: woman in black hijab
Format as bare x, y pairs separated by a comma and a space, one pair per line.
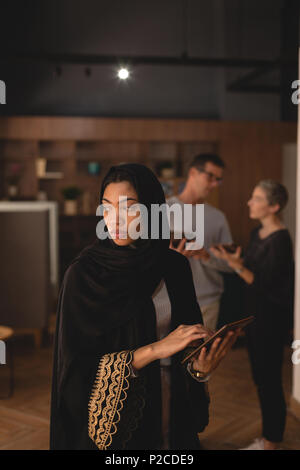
106, 388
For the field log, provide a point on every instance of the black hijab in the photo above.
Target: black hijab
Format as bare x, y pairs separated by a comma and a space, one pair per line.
122, 272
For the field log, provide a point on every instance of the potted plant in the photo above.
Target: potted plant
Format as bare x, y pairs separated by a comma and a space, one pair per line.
70, 194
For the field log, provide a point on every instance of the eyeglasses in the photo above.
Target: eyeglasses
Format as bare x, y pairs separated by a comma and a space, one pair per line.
212, 177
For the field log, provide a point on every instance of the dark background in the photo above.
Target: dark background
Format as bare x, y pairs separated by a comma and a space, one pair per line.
60, 57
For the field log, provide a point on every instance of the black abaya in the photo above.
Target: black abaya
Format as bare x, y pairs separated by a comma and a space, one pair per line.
105, 312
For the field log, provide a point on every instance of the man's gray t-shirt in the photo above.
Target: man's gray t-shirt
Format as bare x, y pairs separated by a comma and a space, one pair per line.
207, 277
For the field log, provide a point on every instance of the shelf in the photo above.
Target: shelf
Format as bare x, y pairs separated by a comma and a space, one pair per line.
67, 162
51, 176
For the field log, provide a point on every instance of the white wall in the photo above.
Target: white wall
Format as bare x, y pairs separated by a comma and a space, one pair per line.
296, 371
289, 179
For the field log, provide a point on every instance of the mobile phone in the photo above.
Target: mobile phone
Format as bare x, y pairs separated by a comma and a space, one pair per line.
175, 241
230, 247
219, 334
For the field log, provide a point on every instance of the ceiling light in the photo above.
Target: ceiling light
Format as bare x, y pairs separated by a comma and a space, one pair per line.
123, 73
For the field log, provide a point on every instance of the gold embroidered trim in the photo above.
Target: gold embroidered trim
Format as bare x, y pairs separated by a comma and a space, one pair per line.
134, 411
107, 397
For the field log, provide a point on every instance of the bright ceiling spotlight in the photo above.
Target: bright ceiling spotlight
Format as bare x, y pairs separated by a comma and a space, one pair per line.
123, 73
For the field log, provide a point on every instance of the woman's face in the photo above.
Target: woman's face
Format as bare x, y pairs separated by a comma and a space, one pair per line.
118, 199
259, 207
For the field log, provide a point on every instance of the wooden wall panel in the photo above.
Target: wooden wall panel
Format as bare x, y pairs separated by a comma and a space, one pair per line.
251, 150
250, 156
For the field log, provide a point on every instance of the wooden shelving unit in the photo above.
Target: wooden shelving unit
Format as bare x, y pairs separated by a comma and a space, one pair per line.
67, 164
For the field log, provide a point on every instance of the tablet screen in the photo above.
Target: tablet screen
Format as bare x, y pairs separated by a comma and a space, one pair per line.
219, 334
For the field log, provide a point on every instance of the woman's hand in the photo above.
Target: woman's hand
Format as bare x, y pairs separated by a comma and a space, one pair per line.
197, 254
179, 339
207, 361
233, 259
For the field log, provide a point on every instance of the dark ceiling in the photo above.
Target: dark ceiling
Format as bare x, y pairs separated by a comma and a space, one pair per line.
220, 59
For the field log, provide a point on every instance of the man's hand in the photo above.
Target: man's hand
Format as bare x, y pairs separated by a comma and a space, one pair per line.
197, 254
200, 254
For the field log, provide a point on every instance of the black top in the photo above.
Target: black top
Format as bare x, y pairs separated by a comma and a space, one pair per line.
272, 262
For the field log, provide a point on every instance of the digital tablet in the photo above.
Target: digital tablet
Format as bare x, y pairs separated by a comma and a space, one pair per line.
219, 334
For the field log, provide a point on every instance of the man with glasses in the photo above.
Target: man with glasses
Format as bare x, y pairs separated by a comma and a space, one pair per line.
205, 174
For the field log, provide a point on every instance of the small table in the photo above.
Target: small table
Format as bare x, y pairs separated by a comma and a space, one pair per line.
6, 333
